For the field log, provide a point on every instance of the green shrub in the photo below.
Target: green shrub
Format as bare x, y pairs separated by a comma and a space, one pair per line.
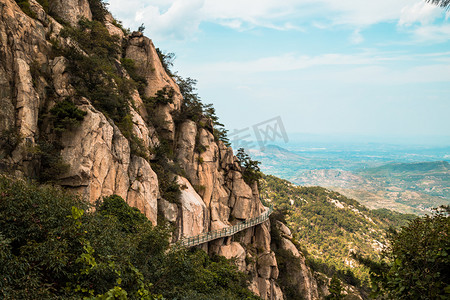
54, 246
44, 4
417, 260
163, 96
66, 115
25, 7
166, 59
251, 172
99, 10
335, 289
130, 218
9, 140
52, 165
130, 66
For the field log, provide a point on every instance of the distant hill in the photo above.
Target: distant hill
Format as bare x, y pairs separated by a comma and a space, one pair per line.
407, 187
414, 187
421, 168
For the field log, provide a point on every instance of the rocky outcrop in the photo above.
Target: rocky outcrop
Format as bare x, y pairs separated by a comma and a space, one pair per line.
194, 215
234, 251
149, 66
102, 165
71, 11
297, 274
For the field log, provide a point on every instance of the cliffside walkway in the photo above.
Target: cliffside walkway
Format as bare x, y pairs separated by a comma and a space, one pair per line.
224, 232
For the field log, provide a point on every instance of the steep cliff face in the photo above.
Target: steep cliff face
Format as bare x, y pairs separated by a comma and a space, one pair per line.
98, 153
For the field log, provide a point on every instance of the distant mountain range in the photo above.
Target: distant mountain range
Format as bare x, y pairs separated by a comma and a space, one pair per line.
411, 187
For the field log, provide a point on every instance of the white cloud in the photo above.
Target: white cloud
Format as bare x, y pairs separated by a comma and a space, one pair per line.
365, 68
356, 37
421, 12
435, 33
181, 18
293, 61
288, 62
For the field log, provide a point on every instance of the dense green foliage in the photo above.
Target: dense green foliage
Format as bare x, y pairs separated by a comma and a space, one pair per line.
335, 289
131, 68
192, 108
9, 140
416, 264
66, 115
330, 227
163, 96
250, 168
393, 218
51, 164
53, 245
95, 76
165, 58
98, 9
44, 4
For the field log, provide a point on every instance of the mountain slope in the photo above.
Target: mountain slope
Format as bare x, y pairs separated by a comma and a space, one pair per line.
330, 227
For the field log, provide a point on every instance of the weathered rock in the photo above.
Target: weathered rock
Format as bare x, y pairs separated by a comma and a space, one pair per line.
143, 52
27, 100
185, 146
284, 229
289, 246
194, 213
264, 288
277, 293
146, 134
143, 188
168, 210
71, 11
262, 236
236, 251
61, 77
99, 156
267, 265
39, 12
241, 197
113, 29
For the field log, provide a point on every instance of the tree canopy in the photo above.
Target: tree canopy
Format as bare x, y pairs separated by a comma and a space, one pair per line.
53, 245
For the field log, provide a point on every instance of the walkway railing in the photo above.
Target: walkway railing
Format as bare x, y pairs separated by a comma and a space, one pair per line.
224, 232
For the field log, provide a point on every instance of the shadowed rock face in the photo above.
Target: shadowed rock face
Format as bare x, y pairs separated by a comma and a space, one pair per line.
213, 192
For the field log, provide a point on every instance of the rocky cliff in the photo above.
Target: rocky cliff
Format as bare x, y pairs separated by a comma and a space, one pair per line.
134, 140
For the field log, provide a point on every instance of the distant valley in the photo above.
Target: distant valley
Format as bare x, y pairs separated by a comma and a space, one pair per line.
397, 178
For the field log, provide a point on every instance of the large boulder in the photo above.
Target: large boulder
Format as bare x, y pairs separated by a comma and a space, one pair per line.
70, 11
236, 251
99, 156
267, 265
194, 214
143, 190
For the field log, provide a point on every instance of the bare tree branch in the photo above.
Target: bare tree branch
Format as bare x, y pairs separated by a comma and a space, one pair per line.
442, 3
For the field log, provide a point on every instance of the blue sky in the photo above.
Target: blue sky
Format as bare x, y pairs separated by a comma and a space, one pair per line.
339, 67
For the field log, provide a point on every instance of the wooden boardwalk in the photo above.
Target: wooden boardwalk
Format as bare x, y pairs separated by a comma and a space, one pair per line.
224, 232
